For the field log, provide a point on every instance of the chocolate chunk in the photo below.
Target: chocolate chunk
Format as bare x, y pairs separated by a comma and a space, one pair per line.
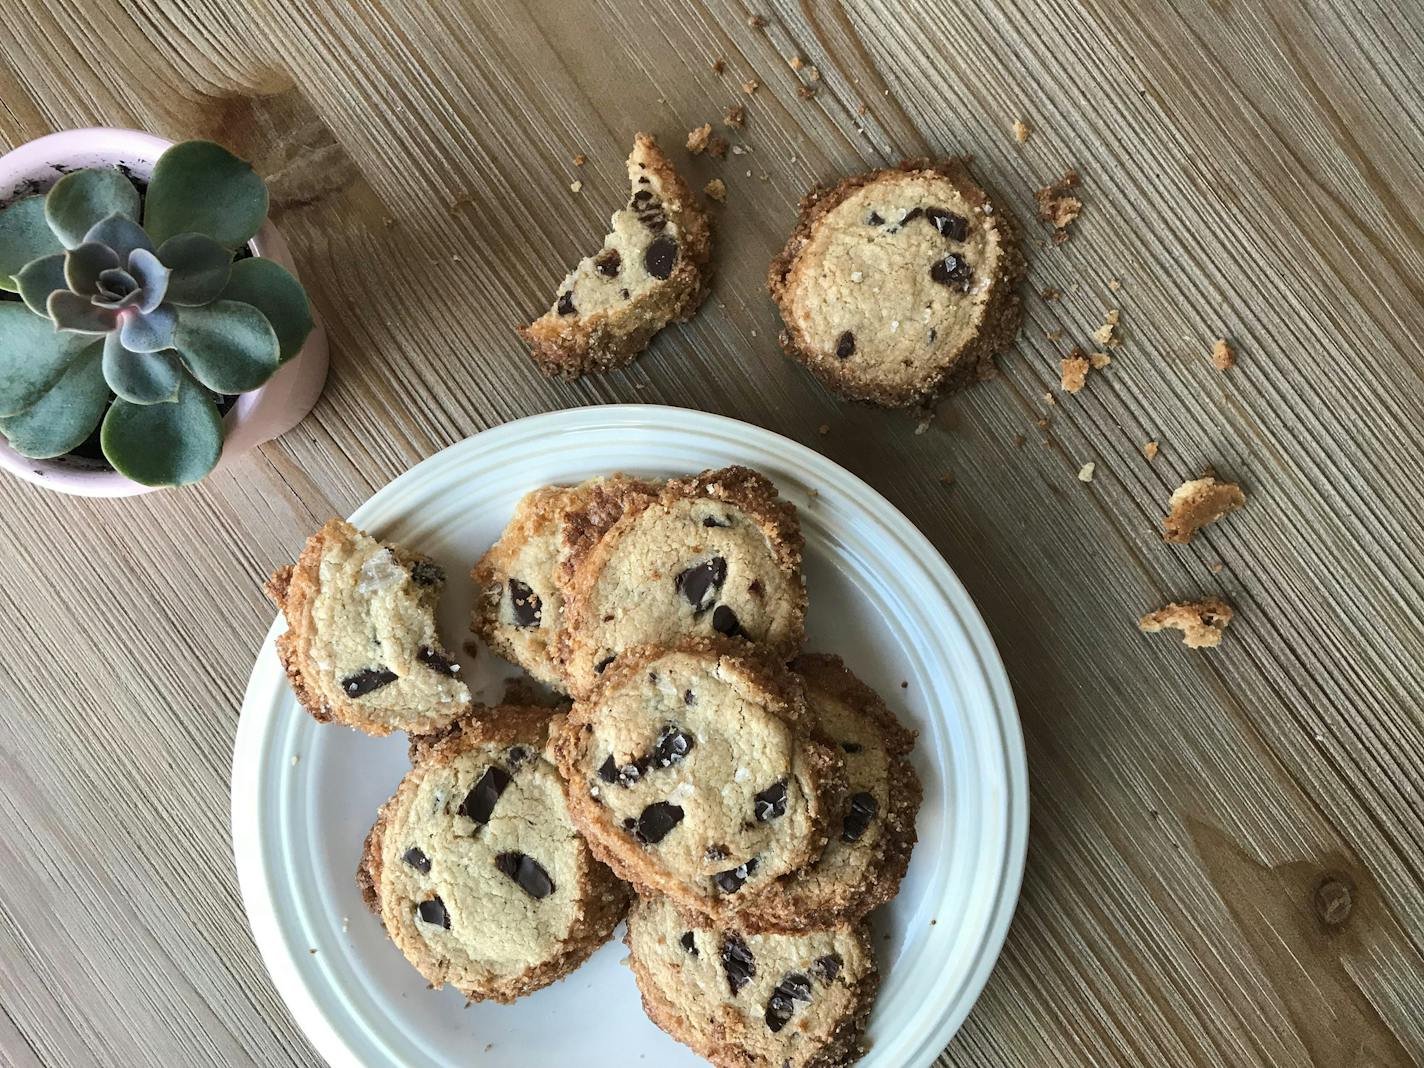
852, 747
874, 219
608, 770
782, 1003
517, 755
673, 745
624, 294
688, 697
730, 881
828, 967
755, 588
527, 872
566, 303
661, 256
479, 802
716, 852
737, 962
930, 337
770, 804
598, 667
701, 583
524, 605
689, 943
424, 573
436, 662
953, 271
433, 912
861, 810
724, 621
364, 681
955, 227
717, 521
657, 820
649, 209
624, 776
607, 262
845, 345
417, 860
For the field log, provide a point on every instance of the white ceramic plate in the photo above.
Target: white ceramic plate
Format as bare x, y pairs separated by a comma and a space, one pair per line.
304, 795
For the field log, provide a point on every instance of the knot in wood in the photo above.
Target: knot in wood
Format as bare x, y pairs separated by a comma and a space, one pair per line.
1334, 900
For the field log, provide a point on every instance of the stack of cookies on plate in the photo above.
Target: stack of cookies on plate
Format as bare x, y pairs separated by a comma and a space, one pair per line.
752, 801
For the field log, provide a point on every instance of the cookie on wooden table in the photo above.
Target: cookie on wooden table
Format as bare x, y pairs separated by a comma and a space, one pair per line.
518, 602
745, 1000
899, 284
361, 646
871, 839
652, 270
715, 553
475, 868
692, 772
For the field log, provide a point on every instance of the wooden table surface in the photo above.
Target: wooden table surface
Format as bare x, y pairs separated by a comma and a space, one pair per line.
1226, 863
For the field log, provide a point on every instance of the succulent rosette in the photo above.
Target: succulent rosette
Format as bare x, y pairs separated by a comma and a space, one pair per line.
136, 318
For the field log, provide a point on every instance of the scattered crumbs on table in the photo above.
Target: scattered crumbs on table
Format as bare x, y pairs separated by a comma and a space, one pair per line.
1022, 130
1223, 358
1086, 472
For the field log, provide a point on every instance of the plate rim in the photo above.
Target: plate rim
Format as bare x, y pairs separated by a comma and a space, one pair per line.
256, 882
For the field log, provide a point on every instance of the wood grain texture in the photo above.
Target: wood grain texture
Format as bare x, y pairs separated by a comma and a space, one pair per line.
1252, 169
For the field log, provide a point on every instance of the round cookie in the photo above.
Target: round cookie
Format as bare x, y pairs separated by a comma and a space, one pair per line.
691, 772
745, 1000
518, 603
475, 868
871, 839
900, 283
715, 553
361, 646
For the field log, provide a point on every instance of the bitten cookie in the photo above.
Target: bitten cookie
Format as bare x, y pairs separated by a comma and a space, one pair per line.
361, 646
475, 868
518, 603
899, 284
754, 1000
871, 840
716, 553
691, 772
652, 270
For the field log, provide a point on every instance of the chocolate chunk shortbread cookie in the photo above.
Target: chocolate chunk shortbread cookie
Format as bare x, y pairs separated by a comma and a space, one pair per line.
899, 284
653, 269
747, 1000
361, 646
691, 771
475, 868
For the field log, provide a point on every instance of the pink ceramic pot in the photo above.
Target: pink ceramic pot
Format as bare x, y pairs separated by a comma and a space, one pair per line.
256, 417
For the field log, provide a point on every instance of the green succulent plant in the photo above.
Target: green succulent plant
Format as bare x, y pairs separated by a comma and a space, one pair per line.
134, 313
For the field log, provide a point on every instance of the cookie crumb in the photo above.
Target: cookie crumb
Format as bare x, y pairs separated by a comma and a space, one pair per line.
718, 65
1019, 441
1073, 372
805, 92
1099, 360
1223, 358
1196, 503
1114, 284
1049, 293
735, 116
717, 146
716, 190
1053, 335
296, 759
756, 22
751, 87
1201, 622
947, 479
1149, 450
1022, 131
1059, 207
698, 138
796, 62
580, 159
1086, 472
1106, 334
1217, 568
575, 187
824, 428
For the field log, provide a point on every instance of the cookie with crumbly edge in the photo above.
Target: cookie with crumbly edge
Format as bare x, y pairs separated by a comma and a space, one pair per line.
747, 1000
872, 837
713, 553
899, 284
518, 602
653, 269
692, 771
474, 867
361, 646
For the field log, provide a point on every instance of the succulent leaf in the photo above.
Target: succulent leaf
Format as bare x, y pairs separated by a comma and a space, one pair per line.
152, 278
84, 264
32, 357
76, 313
39, 279
141, 377
81, 199
274, 292
148, 333
200, 266
201, 187
65, 414
228, 346
164, 444
25, 236
117, 289
121, 234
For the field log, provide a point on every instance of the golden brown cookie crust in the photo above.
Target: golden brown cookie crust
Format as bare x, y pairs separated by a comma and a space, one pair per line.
1202, 622
1001, 317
